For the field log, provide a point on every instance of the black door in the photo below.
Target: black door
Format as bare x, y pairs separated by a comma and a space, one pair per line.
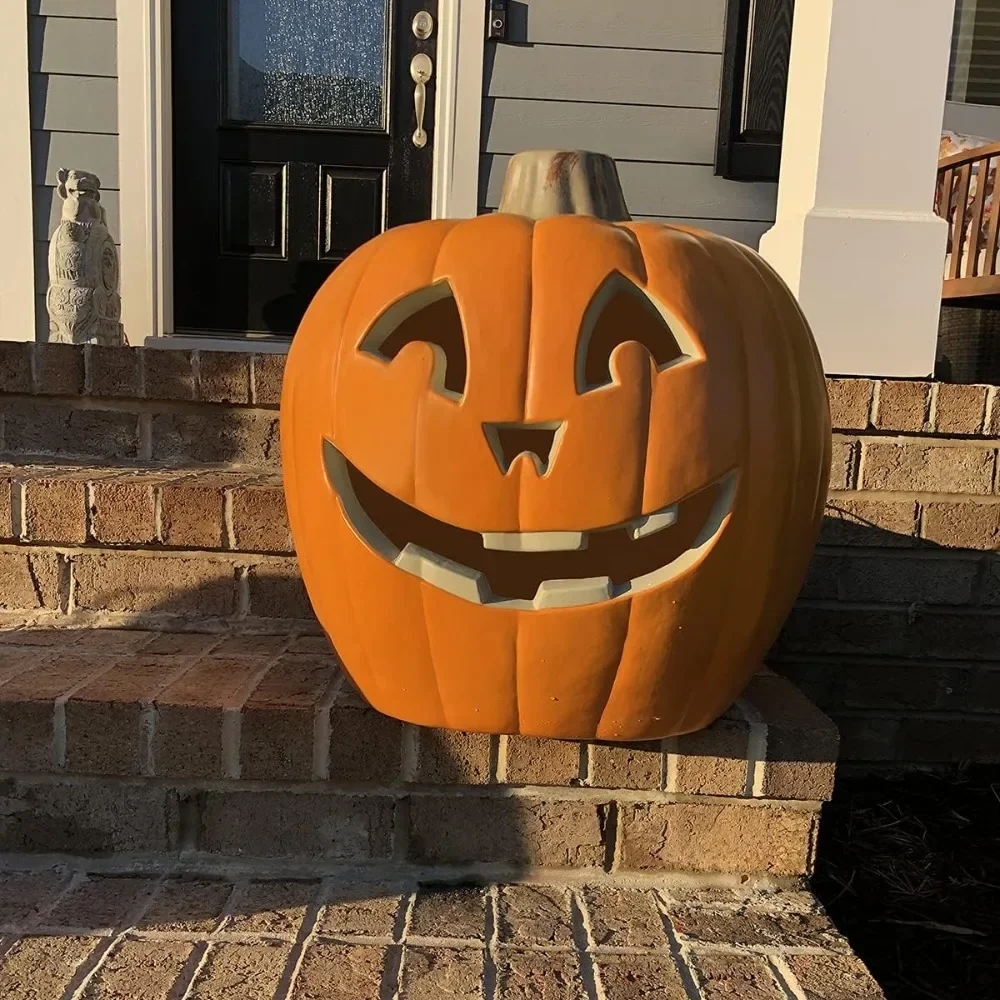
294, 127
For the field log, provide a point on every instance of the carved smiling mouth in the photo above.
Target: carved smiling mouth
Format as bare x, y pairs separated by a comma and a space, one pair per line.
532, 570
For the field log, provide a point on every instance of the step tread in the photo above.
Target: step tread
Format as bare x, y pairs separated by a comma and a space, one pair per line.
419, 936
274, 705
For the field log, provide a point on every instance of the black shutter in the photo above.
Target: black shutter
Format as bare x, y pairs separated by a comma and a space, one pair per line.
754, 80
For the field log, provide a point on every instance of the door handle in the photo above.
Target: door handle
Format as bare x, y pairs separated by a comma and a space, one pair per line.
421, 71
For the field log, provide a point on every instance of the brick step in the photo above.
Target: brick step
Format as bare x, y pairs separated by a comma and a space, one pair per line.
408, 935
255, 744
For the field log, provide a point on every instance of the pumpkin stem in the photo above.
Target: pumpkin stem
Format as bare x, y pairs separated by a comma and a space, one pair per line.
542, 183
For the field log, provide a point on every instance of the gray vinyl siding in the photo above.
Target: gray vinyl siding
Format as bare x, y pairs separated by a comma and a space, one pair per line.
72, 53
639, 81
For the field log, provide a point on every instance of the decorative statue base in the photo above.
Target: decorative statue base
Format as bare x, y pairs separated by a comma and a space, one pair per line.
553, 472
83, 299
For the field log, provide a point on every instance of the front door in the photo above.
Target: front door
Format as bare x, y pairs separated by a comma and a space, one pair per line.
295, 140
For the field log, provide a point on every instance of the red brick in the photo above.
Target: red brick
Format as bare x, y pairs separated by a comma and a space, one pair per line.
737, 977
168, 374
62, 429
15, 367
918, 468
833, 977
870, 522
916, 685
867, 738
637, 765
114, 371
340, 972
850, 402
186, 905
625, 918
531, 761
982, 693
124, 510
99, 903
712, 761
243, 437
963, 525
55, 510
706, 837
539, 975
513, 830
256, 823
364, 909
640, 977
223, 376
902, 406
843, 630
165, 584
272, 907
58, 369
268, 373
433, 973
449, 757
843, 463
277, 591
189, 715
24, 894
246, 971
364, 744
749, 927
40, 968
954, 635
140, 970
929, 740
103, 731
27, 710
445, 911
254, 644
534, 916
260, 521
277, 739
960, 409
192, 512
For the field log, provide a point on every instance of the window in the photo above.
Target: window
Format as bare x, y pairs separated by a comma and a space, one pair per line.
754, 81
974, 77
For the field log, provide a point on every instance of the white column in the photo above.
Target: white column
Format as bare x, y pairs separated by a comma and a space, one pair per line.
855, 236
17, 248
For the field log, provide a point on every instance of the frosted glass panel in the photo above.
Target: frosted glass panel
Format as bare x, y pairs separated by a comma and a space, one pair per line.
307, 62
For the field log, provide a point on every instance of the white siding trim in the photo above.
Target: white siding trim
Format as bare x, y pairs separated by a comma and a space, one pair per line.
145, 153
144, 167
17, 249
459, 108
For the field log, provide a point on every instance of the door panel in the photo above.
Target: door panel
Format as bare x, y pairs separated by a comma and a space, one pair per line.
293, 126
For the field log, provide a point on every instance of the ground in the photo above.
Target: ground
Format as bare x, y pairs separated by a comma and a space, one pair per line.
909, 869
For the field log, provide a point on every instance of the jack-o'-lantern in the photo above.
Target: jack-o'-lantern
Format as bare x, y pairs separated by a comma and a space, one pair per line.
558, 476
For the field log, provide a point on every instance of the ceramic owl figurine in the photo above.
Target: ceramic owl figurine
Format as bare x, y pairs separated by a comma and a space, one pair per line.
83, 299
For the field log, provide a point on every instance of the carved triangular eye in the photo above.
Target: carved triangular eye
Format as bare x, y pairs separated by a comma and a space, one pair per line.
429, 315
621, 311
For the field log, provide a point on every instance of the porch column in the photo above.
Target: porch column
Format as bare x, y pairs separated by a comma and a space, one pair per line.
855, 236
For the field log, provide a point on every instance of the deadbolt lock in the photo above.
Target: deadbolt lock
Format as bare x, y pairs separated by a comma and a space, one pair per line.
423, 25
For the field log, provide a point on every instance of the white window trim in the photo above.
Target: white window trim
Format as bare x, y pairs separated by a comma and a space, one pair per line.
17, 249
144, 152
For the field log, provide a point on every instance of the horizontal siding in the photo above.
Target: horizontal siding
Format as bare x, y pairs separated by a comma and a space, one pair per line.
74, 113
684, 25
74, 103
608, 76
639, 81
684, 135
73, 45
75, 8
672, 190
52, 150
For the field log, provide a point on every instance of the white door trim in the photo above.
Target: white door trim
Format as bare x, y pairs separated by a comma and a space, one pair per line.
17, 249
145, 153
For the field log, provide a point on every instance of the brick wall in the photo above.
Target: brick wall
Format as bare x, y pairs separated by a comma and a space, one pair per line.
896, 634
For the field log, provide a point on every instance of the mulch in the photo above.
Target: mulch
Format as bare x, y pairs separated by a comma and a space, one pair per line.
909, 870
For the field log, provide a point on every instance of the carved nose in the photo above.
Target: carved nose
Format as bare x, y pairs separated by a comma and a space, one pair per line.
534, 440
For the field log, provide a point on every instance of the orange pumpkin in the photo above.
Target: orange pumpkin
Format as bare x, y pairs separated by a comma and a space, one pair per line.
559, 478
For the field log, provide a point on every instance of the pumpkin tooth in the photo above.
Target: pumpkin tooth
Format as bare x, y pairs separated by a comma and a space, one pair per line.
440, 572
650, 524
570, 593
535, 541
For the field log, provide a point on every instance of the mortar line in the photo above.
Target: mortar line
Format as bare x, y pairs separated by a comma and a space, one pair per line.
397, 951
678, 951
990, 407
18, 512
668, 777
583, 939
498, 759
308, 930
491, 934
756, 750
930, 410
197, 966
323, 727
89, 509
409, 752
59, 714
786, 980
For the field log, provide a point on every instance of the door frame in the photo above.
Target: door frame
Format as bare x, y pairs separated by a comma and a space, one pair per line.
145, 158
